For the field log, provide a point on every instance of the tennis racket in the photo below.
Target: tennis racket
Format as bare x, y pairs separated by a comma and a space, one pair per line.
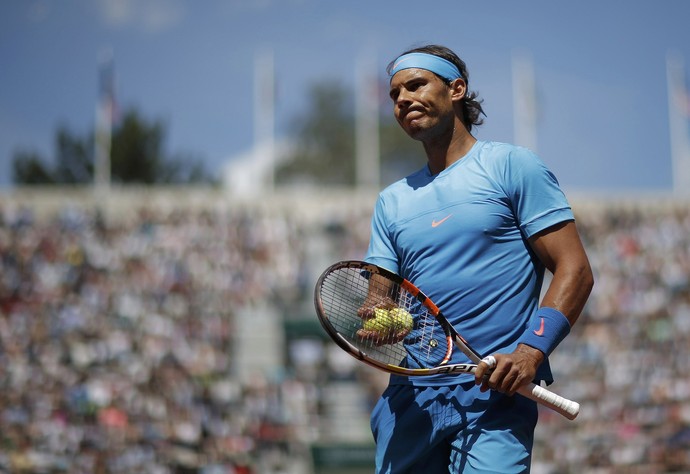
387, 322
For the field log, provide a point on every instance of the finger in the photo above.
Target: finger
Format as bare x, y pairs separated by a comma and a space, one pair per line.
509, 383
379, 339
368, 335
484, 368
518, 382
398, 336
490, 362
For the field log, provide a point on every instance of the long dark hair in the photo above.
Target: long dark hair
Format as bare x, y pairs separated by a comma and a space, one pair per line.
471, 104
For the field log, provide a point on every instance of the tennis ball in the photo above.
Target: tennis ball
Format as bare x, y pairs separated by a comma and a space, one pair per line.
401, 319
381, 322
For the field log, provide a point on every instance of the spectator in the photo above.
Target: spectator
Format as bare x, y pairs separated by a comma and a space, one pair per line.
117, 341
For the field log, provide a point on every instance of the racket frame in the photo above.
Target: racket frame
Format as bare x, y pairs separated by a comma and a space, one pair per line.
568, 408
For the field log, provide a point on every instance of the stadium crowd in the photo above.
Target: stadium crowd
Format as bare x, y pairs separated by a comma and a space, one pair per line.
115, 342
117, 339
628, 359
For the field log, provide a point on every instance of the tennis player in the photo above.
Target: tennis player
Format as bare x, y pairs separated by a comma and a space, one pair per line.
474, 229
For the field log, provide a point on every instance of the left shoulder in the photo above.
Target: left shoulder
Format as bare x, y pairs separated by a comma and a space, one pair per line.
509, 158
508, 151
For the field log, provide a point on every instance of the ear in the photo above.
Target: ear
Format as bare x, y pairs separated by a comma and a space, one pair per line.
458, 89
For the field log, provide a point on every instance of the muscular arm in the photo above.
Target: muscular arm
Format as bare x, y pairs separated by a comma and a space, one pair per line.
560, 250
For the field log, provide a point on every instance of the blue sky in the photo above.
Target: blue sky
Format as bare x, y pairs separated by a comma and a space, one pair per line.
599, 65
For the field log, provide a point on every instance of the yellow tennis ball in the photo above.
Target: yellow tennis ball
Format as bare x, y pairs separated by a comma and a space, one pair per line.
401, 319
381, 322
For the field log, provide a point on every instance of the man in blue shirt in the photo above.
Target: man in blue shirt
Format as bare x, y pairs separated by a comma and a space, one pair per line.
475, 230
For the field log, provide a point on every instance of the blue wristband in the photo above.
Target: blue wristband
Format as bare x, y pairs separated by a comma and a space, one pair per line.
547, 328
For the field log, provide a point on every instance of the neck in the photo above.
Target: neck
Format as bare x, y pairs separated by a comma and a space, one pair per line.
443, 153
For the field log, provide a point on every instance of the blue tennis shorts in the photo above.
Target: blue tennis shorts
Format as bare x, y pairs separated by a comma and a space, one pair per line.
452, 429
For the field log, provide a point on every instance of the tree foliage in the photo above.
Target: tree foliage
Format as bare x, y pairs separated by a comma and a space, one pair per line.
324, 148
400, 154
137, 156
28, 168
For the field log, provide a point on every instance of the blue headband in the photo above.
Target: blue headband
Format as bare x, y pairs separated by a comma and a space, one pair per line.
430, 62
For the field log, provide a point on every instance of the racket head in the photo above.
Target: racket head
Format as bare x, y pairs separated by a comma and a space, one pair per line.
348, 292
342, 290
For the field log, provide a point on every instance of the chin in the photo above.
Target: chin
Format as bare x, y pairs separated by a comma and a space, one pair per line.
416, 133
413, 130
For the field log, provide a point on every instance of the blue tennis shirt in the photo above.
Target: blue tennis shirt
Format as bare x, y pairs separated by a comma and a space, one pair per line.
461, 237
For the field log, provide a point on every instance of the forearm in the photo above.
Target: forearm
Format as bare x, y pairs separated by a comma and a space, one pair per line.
569, 289
563, 254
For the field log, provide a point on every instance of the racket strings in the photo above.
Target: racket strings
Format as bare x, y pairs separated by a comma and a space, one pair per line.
430, 346
346, 294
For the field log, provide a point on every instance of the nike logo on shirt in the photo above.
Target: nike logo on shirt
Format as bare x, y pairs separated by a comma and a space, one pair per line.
435, 223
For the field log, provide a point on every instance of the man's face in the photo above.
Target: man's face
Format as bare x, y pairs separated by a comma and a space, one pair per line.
422, 103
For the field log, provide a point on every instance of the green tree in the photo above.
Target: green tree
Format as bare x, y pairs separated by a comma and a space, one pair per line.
137, 156
400, 155
28, 168
324, 149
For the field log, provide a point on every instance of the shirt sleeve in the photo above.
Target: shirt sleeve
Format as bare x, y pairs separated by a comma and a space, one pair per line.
537, 198
381, 250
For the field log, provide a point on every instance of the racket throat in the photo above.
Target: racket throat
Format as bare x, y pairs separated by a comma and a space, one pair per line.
449, 350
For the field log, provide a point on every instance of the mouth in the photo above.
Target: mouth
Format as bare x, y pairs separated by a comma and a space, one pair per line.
412, 115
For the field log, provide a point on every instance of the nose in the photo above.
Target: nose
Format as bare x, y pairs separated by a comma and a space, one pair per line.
404, 97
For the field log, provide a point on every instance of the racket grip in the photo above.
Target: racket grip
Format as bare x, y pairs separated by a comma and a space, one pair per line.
539, 394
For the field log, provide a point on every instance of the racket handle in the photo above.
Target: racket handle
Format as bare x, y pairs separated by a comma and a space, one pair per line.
539, 394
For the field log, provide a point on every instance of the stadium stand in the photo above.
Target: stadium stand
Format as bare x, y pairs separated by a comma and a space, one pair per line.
171, 331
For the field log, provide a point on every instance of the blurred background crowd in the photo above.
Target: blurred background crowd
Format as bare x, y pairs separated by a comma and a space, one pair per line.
182, 339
